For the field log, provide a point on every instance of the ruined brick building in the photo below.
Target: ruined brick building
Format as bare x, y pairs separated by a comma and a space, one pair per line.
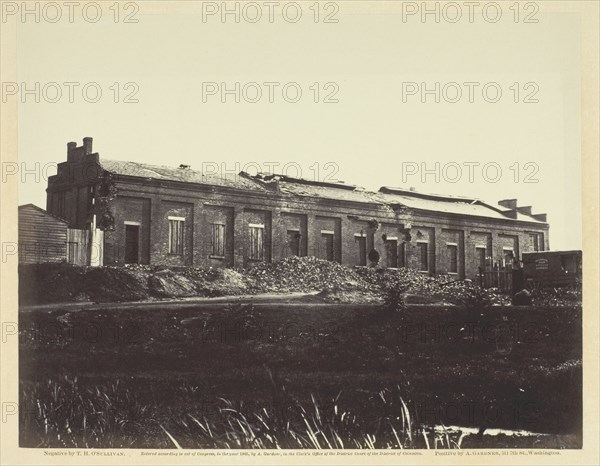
181, 217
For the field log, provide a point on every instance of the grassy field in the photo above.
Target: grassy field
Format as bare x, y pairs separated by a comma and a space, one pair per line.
306, 376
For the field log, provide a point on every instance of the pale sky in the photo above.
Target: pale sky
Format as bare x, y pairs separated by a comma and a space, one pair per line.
370, 135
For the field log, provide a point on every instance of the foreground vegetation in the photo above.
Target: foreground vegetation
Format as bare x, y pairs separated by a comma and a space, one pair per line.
112, 416
264, 376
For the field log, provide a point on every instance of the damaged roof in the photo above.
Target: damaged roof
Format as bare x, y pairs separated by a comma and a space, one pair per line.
339, 191
449, 204
183, 174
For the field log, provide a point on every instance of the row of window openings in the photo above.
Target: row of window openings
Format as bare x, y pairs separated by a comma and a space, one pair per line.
391, 247
452, 254
176, 229
256, 243
256, 240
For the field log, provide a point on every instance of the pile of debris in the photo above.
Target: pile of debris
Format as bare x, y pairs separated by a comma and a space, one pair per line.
302, 274
51, 283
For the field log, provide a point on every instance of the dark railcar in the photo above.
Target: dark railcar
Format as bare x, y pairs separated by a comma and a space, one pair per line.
551, 268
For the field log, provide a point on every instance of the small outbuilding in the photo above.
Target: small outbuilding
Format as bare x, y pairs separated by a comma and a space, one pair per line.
42, 236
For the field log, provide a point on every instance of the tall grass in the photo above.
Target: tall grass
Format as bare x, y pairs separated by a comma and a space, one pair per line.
67, 413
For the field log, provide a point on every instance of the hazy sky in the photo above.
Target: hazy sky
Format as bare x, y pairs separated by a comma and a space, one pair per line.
374, 135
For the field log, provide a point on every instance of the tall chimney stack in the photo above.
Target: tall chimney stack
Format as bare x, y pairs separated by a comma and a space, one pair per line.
87, 145
71, 151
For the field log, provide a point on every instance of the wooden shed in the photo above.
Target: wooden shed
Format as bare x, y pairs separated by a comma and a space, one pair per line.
42, 236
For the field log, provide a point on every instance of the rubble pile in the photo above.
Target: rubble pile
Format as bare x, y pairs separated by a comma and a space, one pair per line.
50, 283
302, 274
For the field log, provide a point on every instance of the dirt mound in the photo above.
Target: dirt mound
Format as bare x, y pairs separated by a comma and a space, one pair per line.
49, 283
114, 284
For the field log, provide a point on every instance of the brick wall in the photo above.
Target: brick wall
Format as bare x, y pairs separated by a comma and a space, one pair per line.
160, 228
392, 252
421, 234
132, 210
254, 221
215, 214
288, 224
326, 227
475, 240
450, 239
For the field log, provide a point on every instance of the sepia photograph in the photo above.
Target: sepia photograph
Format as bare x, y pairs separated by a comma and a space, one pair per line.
325, 232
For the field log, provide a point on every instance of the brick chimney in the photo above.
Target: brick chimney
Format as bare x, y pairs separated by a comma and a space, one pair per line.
524, 210
508, 203
79, 154
87, 145
514, 210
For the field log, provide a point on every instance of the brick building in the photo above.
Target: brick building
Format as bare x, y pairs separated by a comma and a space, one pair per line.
182, 217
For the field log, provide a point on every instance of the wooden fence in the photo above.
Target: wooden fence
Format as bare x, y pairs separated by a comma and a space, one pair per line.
84, 247
506, 279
